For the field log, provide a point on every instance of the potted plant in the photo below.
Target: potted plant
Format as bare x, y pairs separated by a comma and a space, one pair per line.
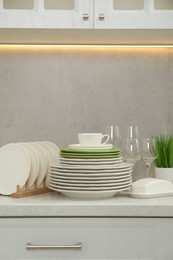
163, 150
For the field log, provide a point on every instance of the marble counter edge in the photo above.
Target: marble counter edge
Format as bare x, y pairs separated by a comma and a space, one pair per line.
53, 205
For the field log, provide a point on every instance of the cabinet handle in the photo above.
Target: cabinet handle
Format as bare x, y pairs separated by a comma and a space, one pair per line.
85, 17
101, 17
30, 246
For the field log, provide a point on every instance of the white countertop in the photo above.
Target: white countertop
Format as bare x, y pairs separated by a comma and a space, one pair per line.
53, 204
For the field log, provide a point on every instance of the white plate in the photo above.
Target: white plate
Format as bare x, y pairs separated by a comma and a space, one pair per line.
85, 162
90, 171
34, 165
91, 167
89, 184
103, 174
81, 147
89, 188
49, 156
89, 194
88, 160
94, 179
52, 151
42, 162
14, 168
55, 149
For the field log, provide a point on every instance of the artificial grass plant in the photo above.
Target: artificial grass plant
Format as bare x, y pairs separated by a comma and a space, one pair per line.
163, 150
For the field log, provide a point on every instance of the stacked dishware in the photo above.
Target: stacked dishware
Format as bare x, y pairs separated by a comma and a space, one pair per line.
90, 172
25, 164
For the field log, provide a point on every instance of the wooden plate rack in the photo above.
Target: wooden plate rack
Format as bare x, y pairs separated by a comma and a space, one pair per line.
30, 191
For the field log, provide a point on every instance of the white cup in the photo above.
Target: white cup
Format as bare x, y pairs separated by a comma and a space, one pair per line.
92, 139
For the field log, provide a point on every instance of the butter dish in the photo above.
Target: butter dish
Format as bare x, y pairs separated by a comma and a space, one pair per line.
150, 188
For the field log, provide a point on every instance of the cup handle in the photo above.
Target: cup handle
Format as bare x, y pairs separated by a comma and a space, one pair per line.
107, 138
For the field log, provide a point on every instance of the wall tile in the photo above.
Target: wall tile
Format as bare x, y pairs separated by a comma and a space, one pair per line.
53, 95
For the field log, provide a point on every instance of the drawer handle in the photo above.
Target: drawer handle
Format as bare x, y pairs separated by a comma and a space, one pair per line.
85, 17
30, 246
101, 17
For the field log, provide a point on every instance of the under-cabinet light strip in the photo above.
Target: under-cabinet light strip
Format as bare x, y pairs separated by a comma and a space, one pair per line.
91, 45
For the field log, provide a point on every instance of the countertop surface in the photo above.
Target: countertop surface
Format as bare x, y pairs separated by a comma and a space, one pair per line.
53, 204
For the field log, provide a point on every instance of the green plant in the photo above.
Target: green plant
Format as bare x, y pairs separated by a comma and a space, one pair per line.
163, 150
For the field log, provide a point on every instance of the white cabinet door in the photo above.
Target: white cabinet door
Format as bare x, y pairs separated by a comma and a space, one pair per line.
51, 14
101, 238
132, 14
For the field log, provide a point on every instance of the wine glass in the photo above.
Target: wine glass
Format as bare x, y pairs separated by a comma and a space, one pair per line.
147, 153
132, 150
114, 136
132, 132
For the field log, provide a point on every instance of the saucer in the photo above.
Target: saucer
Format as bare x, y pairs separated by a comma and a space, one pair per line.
95, 147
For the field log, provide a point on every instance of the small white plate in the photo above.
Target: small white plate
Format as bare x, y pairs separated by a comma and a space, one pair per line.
14, 168
42, 162
81, 147
34, 169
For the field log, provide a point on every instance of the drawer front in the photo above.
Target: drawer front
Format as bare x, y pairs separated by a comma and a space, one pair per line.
101, 238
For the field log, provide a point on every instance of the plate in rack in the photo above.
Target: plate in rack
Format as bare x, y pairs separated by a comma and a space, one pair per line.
14, 168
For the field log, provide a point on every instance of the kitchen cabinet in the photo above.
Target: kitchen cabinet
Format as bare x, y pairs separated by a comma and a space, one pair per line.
117, 228
86, 14
132, 14
100, 238
47, 14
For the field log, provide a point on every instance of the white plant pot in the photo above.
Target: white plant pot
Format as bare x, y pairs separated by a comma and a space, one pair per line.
164, 174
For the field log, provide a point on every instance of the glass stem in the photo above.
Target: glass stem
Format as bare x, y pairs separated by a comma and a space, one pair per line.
148, 167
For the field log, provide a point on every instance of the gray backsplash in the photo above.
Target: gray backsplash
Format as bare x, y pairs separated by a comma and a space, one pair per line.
52, 94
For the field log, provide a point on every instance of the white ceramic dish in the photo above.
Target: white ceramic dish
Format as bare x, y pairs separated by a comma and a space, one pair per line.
34, 163
89, 184
42, 162
65, 187
49, 156
88, 160
85, 162
151, 187
96, 147
14, 168
89, 195
55, 150
92, 178
148, 196
91, 174
123, 166
52, 150
90, 171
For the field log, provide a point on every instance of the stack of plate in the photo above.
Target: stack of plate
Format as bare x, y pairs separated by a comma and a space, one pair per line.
95, 180
76, 161
25, 162
90, 154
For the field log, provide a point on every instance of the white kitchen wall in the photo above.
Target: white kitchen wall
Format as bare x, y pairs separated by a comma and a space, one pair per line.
54, 93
